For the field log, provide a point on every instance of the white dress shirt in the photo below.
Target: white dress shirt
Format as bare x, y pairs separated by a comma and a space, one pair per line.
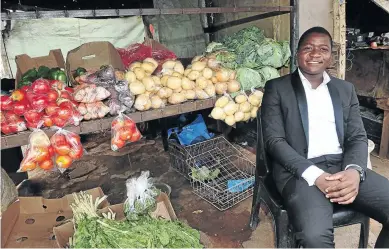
323, 138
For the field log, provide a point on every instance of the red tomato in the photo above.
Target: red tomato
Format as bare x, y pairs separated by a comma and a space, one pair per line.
117, 143
52, 95
18, 125
26, 88
47, 164
64, 113
33, 116
39, 102
27, 166
67, 104
51, 109
20, 107
62, 149
51, 151
73, 139
63, 161
58, 121
66, 95
11, 116
117, 123
125, 133
58, 139
2, 118
69, 89
18, 95
47, 121
129, 123
76, 153
40, 86
6, 103
135, 136
6, 129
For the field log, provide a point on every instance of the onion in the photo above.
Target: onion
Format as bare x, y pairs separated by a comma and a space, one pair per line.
233, 86
213, 63
221, 88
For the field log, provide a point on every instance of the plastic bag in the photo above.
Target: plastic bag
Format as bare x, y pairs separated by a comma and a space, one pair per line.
12, 123
125, 96
141, 196
93, 110
134, 52
39, 152
67, 148
103, 77
123, 130
89, 93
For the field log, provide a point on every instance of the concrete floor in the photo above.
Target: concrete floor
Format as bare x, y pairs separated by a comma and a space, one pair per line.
228, 229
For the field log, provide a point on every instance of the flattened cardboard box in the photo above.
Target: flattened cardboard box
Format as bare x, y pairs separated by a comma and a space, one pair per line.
24, 62
164, 209
29, 221
92, 56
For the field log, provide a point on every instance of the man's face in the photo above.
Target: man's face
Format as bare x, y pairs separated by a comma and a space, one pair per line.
314, 54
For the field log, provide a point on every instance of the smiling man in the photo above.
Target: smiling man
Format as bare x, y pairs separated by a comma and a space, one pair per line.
314, 134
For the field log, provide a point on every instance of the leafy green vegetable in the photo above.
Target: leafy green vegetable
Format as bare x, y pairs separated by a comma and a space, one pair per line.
249, 78
146, 232
268, 73
204, 174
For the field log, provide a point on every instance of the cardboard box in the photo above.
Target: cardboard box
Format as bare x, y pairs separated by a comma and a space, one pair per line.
25, 62
92, 55
29, 221
164, 209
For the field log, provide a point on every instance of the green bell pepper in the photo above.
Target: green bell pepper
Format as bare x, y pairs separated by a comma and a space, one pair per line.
80, 71
57, 74
43, 72
24, 82
31, 74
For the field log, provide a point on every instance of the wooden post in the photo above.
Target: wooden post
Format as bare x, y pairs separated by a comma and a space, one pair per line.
339, 35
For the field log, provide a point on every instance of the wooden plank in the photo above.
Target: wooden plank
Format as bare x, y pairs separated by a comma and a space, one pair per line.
384, 147
16, 140
383, 104
339, 35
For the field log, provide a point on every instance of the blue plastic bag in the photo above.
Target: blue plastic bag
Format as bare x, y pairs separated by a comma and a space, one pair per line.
192, 133
240, 185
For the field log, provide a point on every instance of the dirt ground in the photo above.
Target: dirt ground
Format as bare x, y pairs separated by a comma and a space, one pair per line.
108, 169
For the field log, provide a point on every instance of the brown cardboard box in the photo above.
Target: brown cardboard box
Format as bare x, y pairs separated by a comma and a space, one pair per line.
25, 62
164, 209
29, 221
92, 55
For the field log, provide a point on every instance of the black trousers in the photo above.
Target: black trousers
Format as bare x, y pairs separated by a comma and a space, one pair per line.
310, 212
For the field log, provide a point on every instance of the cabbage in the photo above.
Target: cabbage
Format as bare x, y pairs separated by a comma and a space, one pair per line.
270, 53
269, 73
249, 78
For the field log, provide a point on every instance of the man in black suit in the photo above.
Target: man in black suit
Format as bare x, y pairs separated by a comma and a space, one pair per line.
314, 134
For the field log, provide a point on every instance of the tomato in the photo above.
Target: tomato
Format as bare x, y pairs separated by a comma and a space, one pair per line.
27, 166
117, 143
51, 151
2, 118
73, 139
76, 153
6, 129
17, 125
64, 113
18, 95
39, 102
62, 149
46, 165
58, 121
47, 121
33, 116
26, 88
69, 89
129, 123
6, 103
51, 108
11, 116
117, 123
40, 86
58, 139
66, 95
63, 161
135, 136
52, 95
40, 154
125, 133
21, 107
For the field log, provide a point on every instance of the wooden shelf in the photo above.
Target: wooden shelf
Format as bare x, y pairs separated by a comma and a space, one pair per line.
85, 127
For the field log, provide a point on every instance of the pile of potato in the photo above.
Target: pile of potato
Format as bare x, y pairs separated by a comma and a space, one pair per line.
242, 108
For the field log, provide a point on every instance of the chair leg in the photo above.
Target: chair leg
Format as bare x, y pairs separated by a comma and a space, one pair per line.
254, 218
364, 234
281, 231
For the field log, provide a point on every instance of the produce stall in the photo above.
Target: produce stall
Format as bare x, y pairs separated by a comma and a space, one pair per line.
98, 87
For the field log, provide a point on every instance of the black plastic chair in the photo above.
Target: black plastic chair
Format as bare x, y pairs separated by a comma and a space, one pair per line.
265, 192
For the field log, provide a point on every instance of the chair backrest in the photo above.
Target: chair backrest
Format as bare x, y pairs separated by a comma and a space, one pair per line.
262, 161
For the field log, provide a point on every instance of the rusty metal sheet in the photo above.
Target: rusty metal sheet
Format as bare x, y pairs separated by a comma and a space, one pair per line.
369, 72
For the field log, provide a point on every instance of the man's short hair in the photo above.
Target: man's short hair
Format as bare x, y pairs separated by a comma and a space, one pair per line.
319, 30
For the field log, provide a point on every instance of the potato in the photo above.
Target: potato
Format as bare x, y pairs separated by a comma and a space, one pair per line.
179, 68
193, 75
134, 65
174, 82
149, 84
140, 73
198, 66
233, 86
137, 88
169, 64
221, 88
156, 80
148, 67
210, 90
253, 112
156, 102
164, 80
231, 108
245, 107
187, 84
217, 113
187, 71
239, 116
152, 61
222, 102
130, 76
207, 73
230, 120
176, 98
201, 82
190, 94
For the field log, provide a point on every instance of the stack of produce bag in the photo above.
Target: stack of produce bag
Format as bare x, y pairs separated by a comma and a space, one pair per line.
123, 131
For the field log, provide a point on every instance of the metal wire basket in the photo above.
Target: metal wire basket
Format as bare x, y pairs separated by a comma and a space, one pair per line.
234, 181
179, 154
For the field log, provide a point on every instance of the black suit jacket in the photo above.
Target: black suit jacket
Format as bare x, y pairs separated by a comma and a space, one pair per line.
285, 126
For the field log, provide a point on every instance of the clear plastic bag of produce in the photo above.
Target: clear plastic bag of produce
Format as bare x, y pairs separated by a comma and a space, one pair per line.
95, 110
141, 196
89, 93
39, 154
134, 52
12, 123
67, 148
123, 131
103, 77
